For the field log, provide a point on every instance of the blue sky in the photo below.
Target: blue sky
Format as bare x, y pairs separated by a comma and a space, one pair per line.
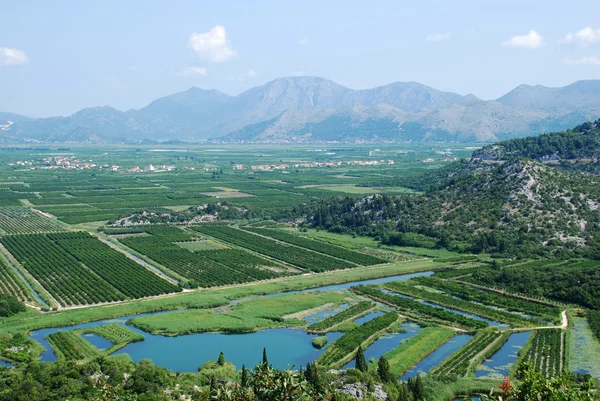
57, 57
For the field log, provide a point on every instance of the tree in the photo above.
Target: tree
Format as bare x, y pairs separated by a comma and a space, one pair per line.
221, 360
417, 388
244, 376
361, 362
265, 360
383, 369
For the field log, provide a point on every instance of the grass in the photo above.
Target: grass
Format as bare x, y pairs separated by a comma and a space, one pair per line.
208, 298
243, 317
319, 342
413, 350
119, 335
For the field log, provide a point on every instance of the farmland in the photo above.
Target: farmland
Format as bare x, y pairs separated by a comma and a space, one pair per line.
327, 249
204, 268
105, 245
346, 345
291, 254
546, 352
416, 348
330, 322
482, 345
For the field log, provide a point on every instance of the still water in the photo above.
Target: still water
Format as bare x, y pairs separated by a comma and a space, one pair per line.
437, 356
499, 365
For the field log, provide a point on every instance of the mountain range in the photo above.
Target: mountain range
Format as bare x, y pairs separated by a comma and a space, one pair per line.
313, 109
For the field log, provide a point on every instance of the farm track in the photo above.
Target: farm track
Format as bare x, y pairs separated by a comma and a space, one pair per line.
139, 261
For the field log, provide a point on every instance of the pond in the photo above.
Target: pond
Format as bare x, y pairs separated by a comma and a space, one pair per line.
499, 365
97, 341
437, 356
285, 346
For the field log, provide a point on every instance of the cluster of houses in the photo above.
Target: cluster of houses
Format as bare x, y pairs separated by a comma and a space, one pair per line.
150, 168
63, 162
271, 167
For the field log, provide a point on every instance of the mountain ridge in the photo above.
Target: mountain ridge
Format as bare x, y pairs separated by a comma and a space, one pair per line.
315, 109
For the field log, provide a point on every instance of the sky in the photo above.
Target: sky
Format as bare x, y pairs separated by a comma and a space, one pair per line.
57, 57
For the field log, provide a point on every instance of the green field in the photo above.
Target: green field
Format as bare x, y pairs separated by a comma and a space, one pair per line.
410, 352
242, 317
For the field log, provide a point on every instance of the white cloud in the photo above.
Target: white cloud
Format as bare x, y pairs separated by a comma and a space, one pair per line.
193, 72
298, 73
582, 61
302, 41
251, 74
532, 40
437, 37
585, 37
213, 45
10, 56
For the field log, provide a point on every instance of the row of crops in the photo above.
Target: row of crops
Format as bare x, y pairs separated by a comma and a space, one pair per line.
318, 246
288, 253
78, 269
11, 284
469, 293
127, 276
347, 314
406, 288
71, 345
546, 351
115, 333
22, 220
207, 268
63, 276
418, 309
348, 343
461, 361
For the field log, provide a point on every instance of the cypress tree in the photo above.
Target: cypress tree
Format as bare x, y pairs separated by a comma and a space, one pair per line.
213, 384
244, 376
265, 360
308, 372
361, 362
383, 369
221, 360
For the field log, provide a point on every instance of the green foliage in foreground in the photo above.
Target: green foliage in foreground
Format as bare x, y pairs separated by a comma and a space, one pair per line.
111, 379
535, 386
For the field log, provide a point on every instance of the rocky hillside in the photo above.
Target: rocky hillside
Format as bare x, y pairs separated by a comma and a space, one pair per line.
521, 207
312, 109
578, 148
